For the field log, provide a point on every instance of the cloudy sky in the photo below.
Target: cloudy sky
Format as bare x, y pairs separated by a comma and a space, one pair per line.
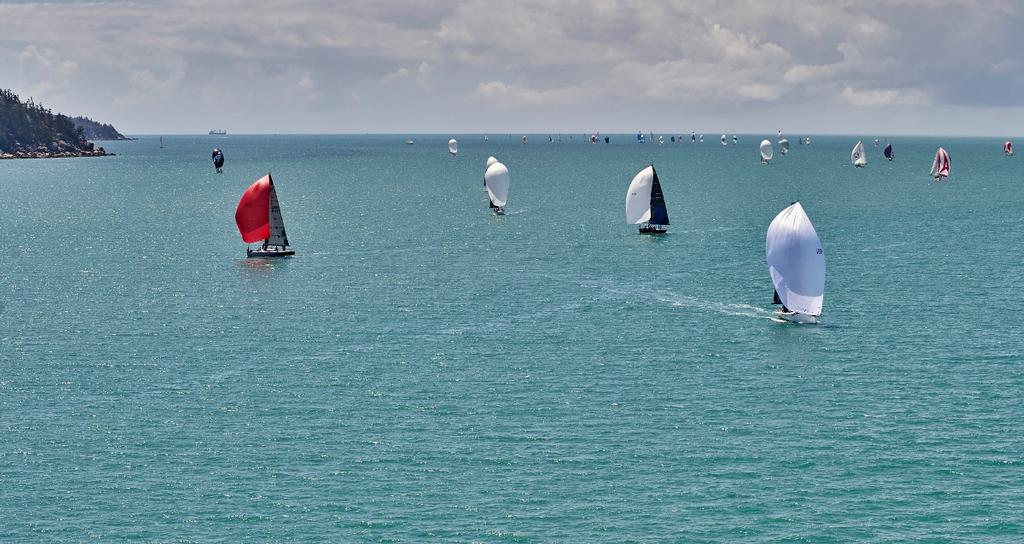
352, 66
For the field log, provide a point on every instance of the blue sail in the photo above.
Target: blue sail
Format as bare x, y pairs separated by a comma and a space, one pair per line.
659, 213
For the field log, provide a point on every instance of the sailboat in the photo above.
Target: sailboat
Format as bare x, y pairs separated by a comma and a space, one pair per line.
524, 138
258, 217
453, 147
1008, 148
161, 142
645, 203
888, 152
701, 138
857, 156
784, 146
735, 140
693, 136
724, 142
940, 166
218, 160
496, 180
766, 151
487, 138
796, 263
661, 140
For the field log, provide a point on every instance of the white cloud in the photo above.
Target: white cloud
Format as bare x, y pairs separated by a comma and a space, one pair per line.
169, 62
883, 97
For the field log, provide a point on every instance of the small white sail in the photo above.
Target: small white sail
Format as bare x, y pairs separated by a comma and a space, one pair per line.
638, 197
453, 146
766, 151
784, 146
724, 142
496, 179
857, 156
796, 261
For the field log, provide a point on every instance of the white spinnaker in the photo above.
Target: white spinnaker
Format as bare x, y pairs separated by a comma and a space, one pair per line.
453, 146
796, 261
941, 165
490, 160
638, 197
766, 150
496, 179
857, 155
723, 140
784, 146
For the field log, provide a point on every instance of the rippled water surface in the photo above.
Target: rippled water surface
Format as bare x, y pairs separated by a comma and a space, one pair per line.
424, 371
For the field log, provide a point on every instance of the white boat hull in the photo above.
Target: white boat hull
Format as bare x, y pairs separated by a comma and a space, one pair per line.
795, 317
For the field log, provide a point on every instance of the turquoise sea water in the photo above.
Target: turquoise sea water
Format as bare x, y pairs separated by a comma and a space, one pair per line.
425, 371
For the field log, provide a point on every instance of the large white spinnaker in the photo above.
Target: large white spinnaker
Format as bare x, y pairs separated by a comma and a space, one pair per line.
857, 156
453, 146
796, 261
638, 197
496, 179
766, 150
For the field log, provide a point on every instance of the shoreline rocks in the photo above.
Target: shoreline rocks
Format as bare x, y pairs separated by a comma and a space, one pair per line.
47, 154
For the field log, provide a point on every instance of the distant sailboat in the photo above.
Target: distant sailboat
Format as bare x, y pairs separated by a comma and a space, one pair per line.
701, 138
524, 138
645, 203
888, 152
784, 146
766, 151
796, 263
496, 180
258, 217
1008, 148
409, 141
218, 160
693, 136
735, 140
724, 140
876, 142
857, 155
941, 165
487, 138
453, 147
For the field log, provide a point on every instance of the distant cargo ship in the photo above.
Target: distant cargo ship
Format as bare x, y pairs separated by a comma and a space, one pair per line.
218, 132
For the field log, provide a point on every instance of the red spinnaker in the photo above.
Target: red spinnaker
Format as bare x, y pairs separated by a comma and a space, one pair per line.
253, 213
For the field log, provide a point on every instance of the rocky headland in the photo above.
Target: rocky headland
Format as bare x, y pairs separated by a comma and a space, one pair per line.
31, 131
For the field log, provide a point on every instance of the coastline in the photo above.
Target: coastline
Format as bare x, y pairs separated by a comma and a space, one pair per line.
98, 152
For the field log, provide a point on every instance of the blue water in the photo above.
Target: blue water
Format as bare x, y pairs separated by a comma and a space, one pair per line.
424, 371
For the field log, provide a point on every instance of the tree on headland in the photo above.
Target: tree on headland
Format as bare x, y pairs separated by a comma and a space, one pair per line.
28, 126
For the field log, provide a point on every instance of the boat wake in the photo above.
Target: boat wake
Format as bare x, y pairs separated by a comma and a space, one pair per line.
727, 308
691, 302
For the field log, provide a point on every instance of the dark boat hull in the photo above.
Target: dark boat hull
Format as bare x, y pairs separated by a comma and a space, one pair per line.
266, 253
652, 229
